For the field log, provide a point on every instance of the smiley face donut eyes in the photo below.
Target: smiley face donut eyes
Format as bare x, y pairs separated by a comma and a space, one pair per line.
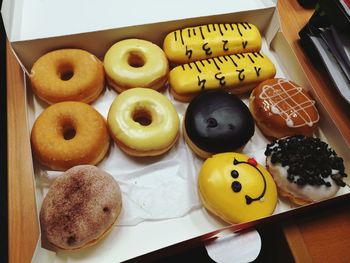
234, 173
236, 186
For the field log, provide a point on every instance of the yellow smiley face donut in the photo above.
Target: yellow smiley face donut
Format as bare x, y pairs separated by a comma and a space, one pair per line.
67, 75
143, 122
236, 188
134, 63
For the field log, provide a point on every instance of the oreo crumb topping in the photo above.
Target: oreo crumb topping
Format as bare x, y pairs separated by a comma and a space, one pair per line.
308, 160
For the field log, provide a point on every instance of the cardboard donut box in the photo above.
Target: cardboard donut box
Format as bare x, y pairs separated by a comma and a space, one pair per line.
38, 27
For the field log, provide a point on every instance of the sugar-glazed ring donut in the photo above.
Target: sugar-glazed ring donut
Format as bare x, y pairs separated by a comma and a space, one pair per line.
68, 134
67, 75
134, 63
143, 122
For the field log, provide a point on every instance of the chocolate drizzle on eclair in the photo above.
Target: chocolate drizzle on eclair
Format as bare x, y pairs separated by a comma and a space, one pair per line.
217, 121
308, 160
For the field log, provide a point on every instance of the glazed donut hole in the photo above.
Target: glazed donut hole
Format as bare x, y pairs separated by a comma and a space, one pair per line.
65, 71
142, 115
136, 59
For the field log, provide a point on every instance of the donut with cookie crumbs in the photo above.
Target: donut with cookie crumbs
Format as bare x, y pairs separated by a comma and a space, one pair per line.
305, 169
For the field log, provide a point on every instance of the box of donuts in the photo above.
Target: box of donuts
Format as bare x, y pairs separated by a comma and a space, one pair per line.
168, 123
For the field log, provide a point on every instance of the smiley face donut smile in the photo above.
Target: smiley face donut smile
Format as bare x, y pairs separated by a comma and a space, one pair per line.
236, 186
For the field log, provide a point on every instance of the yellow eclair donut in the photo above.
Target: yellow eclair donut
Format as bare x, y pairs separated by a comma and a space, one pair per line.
143, 122
236, 188
212, 40
237, 73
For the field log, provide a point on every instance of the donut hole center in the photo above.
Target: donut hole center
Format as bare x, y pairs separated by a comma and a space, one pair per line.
66, 72
136, 59
142, 116
69, 132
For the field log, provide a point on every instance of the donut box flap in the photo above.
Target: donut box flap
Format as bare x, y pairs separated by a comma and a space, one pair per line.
35, 27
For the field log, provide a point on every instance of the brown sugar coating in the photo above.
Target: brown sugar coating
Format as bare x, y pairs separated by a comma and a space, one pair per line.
80, 207
69, 133
282, 108
67, 75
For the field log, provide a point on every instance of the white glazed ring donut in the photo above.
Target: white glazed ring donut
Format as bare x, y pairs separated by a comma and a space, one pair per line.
134, 63
143, 122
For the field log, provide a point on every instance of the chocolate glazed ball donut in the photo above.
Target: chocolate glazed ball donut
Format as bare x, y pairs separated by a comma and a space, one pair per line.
216, 121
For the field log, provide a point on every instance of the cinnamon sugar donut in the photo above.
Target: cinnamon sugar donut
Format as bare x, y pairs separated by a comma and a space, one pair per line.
282, 108
69, 133
67, 75
80, 207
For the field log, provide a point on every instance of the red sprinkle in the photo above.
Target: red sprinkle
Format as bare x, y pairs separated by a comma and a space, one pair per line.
252, 161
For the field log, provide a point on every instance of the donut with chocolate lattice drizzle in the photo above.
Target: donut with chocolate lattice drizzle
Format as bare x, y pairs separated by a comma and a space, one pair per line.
282, 108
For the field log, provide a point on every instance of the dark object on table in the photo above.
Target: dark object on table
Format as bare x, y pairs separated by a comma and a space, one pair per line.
309, 4
326, 40
338, 13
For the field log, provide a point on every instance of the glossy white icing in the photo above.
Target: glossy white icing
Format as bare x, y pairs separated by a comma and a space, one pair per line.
307, 192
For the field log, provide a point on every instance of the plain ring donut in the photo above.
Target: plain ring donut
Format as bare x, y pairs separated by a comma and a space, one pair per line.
135, 63
69, 133
67, 75
143, 122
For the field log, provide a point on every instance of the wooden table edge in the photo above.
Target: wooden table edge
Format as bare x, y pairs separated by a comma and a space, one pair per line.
23, 229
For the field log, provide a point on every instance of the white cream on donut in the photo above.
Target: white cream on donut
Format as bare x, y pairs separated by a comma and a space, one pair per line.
305, 169
307, 192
